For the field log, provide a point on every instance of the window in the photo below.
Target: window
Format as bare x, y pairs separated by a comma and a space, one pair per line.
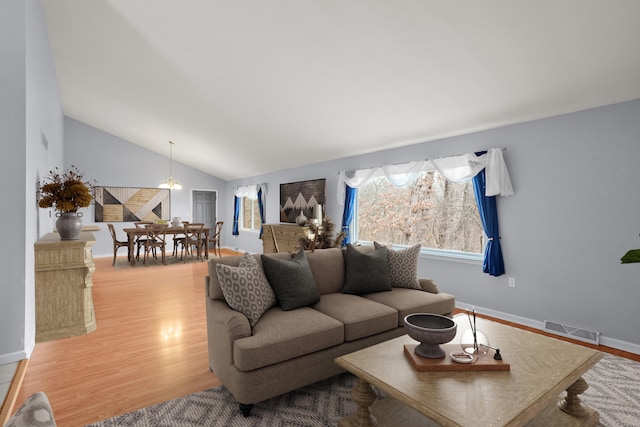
250, 214
433, 211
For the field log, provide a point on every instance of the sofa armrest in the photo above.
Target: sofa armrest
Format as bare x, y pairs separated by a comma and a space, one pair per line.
428, 285
224, 326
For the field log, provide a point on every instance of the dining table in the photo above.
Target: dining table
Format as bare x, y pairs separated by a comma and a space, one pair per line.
132, 233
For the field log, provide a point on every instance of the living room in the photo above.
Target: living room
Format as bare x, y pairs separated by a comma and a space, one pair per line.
573, 214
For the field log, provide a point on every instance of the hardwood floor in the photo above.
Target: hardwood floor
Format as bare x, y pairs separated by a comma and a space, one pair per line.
150, 346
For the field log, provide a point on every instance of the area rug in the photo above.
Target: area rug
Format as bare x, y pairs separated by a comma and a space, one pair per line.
614, 386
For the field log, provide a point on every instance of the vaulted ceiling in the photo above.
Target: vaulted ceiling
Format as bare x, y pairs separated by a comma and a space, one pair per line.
245, 87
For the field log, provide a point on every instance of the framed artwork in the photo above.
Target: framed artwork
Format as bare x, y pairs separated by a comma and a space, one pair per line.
130, 204
301, 196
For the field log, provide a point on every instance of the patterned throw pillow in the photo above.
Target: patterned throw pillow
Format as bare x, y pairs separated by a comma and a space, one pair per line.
403, 267
245, 288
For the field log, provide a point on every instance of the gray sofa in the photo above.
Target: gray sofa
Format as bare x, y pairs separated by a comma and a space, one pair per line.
286, 350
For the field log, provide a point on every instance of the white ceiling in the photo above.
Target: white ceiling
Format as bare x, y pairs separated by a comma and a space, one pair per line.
245, 87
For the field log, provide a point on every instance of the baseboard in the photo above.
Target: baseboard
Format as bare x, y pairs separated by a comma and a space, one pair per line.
537, 324
12, 394
17, 356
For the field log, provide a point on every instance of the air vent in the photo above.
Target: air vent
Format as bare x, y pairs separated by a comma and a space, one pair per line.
574, 332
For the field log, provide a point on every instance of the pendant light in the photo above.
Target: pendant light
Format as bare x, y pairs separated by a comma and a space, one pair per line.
171, 184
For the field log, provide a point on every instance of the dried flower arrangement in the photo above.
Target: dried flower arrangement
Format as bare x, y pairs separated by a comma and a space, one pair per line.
325, 238
65, 191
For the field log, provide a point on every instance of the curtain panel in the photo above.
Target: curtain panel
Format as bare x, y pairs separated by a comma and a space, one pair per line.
253, 192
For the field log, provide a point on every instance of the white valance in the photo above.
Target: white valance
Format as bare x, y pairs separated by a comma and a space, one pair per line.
455, 168
250, 191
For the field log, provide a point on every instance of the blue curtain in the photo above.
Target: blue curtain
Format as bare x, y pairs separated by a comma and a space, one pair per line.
493, 262
260, 210
349, 210
236, 214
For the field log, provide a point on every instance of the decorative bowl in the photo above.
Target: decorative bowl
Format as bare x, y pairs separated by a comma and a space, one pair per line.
430, 330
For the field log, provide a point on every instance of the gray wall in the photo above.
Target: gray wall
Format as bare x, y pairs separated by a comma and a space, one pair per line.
30, 110
114, 162
575, 212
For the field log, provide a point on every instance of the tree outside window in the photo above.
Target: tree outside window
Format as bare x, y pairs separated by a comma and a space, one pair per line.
250, 214
431, 211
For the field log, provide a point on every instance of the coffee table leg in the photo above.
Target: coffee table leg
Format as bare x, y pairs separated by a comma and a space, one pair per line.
571, 403
363, 395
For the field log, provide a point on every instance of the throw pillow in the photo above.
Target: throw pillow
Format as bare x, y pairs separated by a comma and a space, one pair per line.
403, 267
291, 280
34, 412
245, 288
366, 272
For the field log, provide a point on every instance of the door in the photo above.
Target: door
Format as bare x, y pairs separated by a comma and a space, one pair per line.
204, 207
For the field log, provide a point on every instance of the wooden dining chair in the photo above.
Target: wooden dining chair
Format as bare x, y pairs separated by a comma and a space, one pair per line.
117, 244
214, 239
140, 239
193, 238
178, 238
156, 239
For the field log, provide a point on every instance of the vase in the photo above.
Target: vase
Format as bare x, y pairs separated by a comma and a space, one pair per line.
69, 225
301, 219
477, 344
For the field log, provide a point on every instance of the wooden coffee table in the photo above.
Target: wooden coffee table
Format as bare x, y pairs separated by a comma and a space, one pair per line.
541, 368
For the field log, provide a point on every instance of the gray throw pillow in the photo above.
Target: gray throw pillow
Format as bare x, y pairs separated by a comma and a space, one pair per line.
403, 267
245, 288
291, 280
366, 273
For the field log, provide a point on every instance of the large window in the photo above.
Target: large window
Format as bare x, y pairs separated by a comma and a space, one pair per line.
432, 211
250, 214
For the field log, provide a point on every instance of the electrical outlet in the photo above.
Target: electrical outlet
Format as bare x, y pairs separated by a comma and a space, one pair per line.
512, 282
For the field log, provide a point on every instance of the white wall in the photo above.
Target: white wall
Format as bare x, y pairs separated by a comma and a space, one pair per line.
29, 108
114, 162
574, 214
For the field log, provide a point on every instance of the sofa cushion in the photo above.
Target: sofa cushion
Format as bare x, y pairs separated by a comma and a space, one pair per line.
291, 280
403, 266
366, 272
245, 288
327, 266
282, 335
407, 301
361, 317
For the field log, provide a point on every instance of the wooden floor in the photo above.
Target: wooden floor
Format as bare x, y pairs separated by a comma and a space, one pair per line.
150, 346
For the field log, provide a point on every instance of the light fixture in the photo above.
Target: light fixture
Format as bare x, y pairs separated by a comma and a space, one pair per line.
171, 184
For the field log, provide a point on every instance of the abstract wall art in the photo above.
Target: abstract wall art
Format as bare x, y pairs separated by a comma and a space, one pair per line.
130, 204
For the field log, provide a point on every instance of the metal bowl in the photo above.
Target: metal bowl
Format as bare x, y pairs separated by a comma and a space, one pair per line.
430, 330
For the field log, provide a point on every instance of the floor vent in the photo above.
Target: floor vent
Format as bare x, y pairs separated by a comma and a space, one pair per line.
574, 332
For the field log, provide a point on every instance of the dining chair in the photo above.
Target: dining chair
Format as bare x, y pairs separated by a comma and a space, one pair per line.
156, 239
117, 244
193, 237
178, 238
140, 239
215, 238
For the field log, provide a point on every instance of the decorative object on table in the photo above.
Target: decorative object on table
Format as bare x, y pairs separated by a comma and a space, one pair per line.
631, 256
303, 195
132, 204
301, 219
176, 221
461, 357
170, 183
66, 192
430, 330
474, 341
322, 236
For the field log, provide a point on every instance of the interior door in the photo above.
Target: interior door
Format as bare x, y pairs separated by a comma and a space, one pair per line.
204, 207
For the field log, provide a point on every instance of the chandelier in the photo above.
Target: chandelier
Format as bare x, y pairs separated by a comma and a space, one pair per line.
171, 183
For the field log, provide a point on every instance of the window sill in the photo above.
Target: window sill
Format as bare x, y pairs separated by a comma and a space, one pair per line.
442, 255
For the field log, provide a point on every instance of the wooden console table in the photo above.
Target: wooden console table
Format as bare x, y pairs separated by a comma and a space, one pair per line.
282, 237
63, 271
